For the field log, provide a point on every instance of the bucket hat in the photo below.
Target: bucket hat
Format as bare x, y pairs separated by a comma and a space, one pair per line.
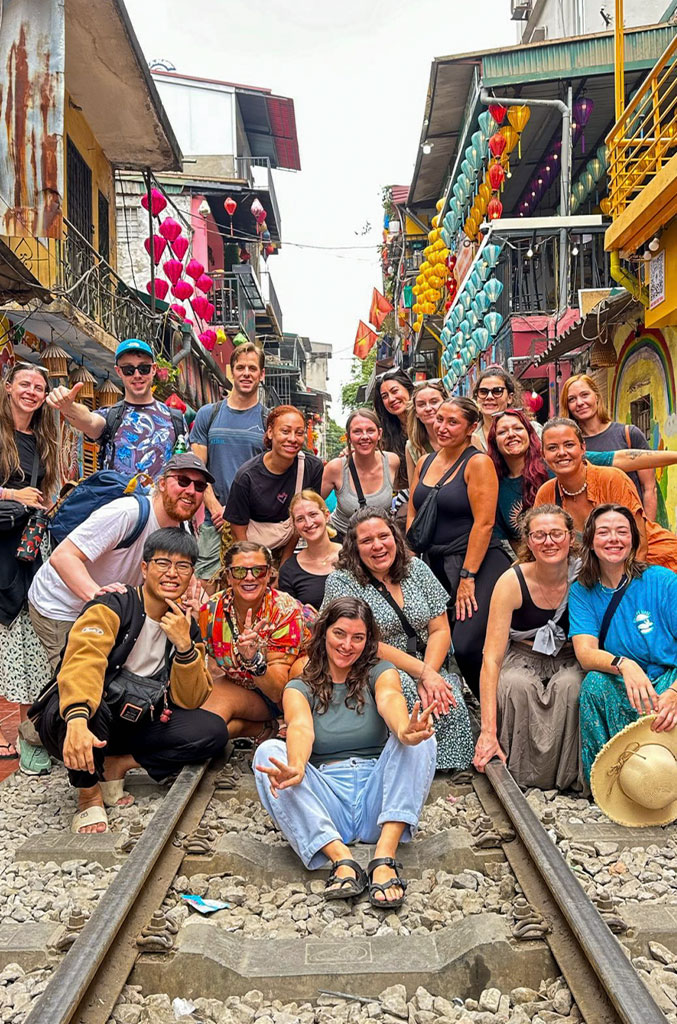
634, 776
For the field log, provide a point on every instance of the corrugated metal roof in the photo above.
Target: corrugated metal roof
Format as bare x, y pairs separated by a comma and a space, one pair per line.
615, 309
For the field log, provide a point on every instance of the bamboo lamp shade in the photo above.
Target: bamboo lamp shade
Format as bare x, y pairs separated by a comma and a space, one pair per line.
56, 361
107, 395
82, 376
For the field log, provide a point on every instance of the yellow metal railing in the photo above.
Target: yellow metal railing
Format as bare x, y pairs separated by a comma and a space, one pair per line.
644, 138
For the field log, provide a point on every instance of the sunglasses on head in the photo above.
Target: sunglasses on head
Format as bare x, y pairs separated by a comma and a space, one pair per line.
393, 374
142, 368
185, 481
239, 572
25, 365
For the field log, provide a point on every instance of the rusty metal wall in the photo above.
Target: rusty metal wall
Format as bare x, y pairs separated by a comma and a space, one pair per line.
32, 46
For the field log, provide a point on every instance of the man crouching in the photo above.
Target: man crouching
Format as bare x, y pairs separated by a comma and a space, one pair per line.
130, 684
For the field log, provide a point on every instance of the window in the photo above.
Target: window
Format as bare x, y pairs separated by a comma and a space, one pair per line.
640, 414
104, 227
79, 191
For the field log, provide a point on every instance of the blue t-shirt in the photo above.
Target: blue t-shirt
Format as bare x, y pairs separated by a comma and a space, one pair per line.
145, 439
235, 436
644, 625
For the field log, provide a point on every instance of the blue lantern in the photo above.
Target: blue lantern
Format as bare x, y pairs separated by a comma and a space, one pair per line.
465, 299
493, 289
491, 252
476, 279
468, 170
457, 365
482, 337
482, 270
470, 287
445, 334
481, 303
465, 183
464, 328
481, 143
454, 207
446, 380
472, 319
487, 124
458, 340
445, 360
461, 193
492, 322
445, 236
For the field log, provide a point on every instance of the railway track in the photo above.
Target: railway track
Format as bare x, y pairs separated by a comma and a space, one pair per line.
555, 929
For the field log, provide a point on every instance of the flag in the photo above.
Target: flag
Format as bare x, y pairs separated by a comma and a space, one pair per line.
380, 307
365, 339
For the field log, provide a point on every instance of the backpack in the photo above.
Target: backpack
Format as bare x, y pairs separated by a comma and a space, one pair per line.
94, 492
106, 440
215, 413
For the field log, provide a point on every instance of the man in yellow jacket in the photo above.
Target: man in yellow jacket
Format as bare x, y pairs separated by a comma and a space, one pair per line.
130, 686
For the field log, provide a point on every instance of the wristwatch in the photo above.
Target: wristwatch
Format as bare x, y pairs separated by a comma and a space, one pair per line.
617, 661
465, 574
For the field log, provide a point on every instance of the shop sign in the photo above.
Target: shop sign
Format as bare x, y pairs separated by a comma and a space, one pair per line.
657, 280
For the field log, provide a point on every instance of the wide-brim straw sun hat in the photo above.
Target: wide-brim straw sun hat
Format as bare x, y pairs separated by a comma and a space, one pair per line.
634, 776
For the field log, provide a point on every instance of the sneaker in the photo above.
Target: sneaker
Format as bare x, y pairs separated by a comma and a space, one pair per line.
33, 760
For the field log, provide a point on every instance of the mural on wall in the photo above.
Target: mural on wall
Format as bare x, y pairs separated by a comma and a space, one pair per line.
644, 374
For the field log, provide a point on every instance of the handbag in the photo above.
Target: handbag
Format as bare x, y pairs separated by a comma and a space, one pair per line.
421, 533
14, 514
276, 535
133, 697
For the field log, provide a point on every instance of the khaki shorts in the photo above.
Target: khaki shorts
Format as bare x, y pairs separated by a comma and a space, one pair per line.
52, 634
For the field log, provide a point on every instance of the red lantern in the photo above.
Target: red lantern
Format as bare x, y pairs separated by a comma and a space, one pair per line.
180, 310
204, 283
495, 176
159, 287
173, 269
498, 112
497, 145
199, 304
494, 209
174, 402
208, 339
195, 269
180, 246
230, 206
170, 229
157, 201
182, 290
159, 243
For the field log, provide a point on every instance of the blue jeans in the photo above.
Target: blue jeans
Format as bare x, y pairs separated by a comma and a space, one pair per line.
349, 800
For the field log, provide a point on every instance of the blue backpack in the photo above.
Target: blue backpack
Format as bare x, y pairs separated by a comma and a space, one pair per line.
92, 493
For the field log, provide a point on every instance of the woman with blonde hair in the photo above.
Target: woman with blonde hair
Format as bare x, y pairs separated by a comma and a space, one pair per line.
426, 399
530, 680
581, 400
29, 471
305, 573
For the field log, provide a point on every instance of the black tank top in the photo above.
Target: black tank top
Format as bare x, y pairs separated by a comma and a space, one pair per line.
454, 514
530, 616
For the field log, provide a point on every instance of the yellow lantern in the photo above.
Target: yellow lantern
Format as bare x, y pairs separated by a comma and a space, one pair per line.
519, 118
470, 227
417, 325
605, 206
426, 252
484, 192
481, 204
435, 221
420, 280
416, 308
439, 204
424, 267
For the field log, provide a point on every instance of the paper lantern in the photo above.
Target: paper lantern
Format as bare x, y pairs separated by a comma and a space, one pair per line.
229, 205
605, 206
107, 395
487, 124
495, 209
208, 315
465, 299
158, 244
603, 157
490, 253
472, 318
173, 270
460, 193
208, 339
595, 167
511, 137
495, 176
492, 322
588, 181
493, 289
157, 201
518, 117
84, 377
464, 327
457, 366
158, 287
179, 310
199, 304
578, 190
182, 290
170, 229
481, 304
180, 246
257, 211
497, 144
482, 337
204, 283
195, 269
468, 169
498, 112
582, 109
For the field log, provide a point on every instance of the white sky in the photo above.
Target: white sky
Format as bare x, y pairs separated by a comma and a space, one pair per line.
358, 74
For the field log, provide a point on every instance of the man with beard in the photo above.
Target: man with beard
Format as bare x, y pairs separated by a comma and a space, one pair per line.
92, 559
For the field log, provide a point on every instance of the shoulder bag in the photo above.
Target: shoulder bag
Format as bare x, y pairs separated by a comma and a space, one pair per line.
361, 500
421, 533
415, 645
610, 612
14, 514
276, 535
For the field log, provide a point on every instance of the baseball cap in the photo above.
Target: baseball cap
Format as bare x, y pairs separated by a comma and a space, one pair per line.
133, 345
187, 460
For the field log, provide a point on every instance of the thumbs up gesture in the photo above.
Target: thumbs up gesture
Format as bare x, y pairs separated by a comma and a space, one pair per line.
62, 397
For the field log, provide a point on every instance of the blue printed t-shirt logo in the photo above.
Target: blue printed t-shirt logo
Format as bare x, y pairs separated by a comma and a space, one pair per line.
644, 622
282, 497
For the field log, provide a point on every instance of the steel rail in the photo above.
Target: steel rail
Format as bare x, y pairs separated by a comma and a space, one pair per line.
70, 981
630, 997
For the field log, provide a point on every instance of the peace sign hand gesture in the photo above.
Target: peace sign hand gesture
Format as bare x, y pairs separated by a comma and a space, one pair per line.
281, 775
420, 725
175, 623
252, 638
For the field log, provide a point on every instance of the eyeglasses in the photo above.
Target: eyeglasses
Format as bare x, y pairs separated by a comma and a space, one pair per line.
142, 368
540, 536
165, 564
185, 481
494, 392
239, 572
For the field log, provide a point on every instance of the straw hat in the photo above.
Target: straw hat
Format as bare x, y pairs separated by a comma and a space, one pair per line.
634, 776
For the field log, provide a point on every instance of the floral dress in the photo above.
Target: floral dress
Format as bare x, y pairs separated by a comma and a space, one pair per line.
424, 598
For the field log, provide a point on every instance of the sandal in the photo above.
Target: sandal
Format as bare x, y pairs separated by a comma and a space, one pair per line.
114, 794
347, 887
269, 731
90, 816
374, 887
6, 753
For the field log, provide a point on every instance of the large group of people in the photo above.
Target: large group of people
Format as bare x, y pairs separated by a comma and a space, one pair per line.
472, 556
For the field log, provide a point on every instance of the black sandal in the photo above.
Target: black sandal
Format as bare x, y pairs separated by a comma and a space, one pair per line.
348, 886
374, 887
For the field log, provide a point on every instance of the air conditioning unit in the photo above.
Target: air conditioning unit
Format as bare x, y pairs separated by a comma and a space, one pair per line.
520, 9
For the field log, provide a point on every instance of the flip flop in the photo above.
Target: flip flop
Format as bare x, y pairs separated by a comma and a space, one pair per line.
113, 792
90, 816
8, 756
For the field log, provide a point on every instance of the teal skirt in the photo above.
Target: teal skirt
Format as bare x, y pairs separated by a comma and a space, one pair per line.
604, 710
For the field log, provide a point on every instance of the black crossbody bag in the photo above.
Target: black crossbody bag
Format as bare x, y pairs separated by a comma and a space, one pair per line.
610, 611
14, 513
415, 646
132, 697
421, 533
361, 500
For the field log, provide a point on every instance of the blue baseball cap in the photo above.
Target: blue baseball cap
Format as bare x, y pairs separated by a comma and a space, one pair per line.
133, 345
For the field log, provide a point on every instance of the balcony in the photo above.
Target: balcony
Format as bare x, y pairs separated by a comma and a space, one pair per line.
255, 171
273, 307
234, 309
642, 152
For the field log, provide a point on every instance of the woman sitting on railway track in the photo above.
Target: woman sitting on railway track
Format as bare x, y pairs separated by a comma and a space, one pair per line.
623, 620
356, 766
530, 678
253, 634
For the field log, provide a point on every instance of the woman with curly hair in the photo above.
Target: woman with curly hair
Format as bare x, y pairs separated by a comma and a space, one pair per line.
356, 766
29, 461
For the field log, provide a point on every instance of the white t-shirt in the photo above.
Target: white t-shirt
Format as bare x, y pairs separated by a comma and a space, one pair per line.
97, 538
148, 653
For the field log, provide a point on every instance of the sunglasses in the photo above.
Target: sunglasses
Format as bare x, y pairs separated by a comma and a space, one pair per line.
239, 572
142, 368
393, 374
185, 481
494, 392
31, 366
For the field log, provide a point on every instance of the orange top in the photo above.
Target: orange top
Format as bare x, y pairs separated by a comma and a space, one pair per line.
607, 484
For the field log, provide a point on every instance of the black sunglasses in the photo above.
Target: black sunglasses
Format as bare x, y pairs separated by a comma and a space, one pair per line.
185, 481
129, 371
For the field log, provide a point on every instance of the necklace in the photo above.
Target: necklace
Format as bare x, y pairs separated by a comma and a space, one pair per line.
612, 590
573, 494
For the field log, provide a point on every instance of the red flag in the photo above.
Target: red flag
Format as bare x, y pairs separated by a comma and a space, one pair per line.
365, 339
380, 307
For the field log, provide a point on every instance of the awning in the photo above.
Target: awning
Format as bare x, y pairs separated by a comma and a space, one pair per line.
607, 313
17, 284
270, 124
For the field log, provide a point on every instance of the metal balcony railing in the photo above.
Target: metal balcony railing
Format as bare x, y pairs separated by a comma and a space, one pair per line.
531, 283
645, 137
270, 297
234, 308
